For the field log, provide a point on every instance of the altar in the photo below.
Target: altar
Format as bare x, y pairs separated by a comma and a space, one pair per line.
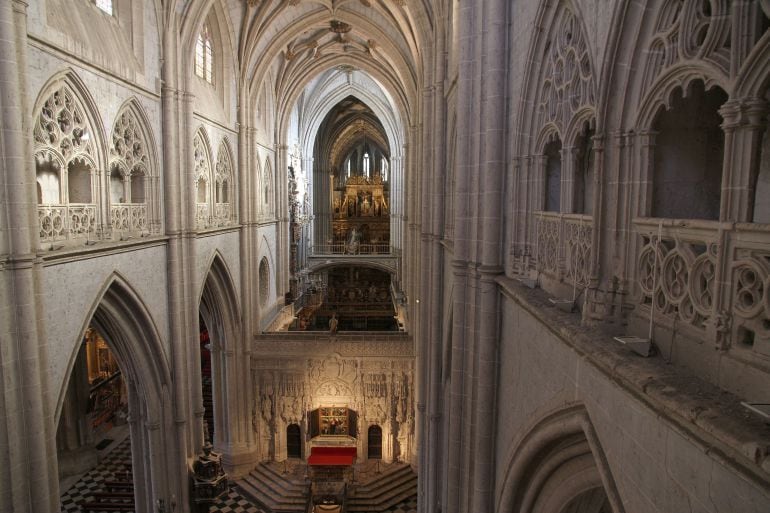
333, 456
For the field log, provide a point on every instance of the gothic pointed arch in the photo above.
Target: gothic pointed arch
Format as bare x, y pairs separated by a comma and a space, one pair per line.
204, 179
219, 294
69, 151
560, 79
561, 86
123, 320
268, 194
687, 39
219, 308
224, 185
556, 464
265, 254
133, 172
210, 58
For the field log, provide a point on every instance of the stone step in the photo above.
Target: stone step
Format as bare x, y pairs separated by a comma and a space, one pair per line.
355, 505
279, 473
384, 490
388, 472
388, 489
274, 490
252, 491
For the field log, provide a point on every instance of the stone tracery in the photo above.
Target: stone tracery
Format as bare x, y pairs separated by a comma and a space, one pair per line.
131, 169
223, 181
567, 84
202, 164
65, 157
63, 128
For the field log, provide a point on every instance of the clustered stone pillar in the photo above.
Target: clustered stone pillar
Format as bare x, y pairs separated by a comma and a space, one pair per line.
478, 255
172, 103
434, 177
28, 482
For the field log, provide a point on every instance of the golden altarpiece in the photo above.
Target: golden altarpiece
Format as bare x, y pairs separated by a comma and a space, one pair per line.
361, 211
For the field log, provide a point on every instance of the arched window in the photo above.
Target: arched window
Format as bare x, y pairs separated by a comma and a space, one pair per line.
384, 169
553, 176
65, 166
202, 180
104, 5
264, 281
293, 441
689, 149
223, 212
374, 442
584, 164
366, 164
204, 55
131, 163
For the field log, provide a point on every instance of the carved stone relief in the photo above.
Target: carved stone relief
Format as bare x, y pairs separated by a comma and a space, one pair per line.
379, 389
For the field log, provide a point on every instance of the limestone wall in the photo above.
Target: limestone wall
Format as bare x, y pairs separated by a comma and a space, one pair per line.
661, 441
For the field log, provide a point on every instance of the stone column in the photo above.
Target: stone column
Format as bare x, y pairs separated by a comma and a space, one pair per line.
247, 190
456, 464
28, 479
536, 203
174, 201
494, 64
744, 124
433, 298
567, 189
322, 210
396, 214
281, 202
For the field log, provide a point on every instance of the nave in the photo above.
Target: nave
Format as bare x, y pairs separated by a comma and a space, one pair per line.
112, 476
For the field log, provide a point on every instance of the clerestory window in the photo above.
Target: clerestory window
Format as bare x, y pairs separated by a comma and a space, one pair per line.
204, 55
104, 5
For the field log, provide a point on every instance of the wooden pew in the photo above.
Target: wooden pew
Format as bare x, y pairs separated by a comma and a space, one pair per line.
106, 507
119, 486
112, 496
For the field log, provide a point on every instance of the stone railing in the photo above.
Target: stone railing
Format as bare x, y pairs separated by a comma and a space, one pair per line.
563, 246
351, 249
709, 276
222, 213
65, 222
283, 319
202, 218
129, 217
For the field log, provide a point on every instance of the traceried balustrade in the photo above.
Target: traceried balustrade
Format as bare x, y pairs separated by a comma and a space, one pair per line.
202, 219
709, 276
342, 248
66, 222
563, 246
222, 213
129, 217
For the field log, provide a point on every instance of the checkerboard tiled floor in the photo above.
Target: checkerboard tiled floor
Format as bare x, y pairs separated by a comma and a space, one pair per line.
408, 506
119, 460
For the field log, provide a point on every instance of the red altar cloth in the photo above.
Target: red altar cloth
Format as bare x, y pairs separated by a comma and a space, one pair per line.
332, 456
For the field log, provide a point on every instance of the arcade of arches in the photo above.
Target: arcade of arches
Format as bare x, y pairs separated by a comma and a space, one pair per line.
385, 255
